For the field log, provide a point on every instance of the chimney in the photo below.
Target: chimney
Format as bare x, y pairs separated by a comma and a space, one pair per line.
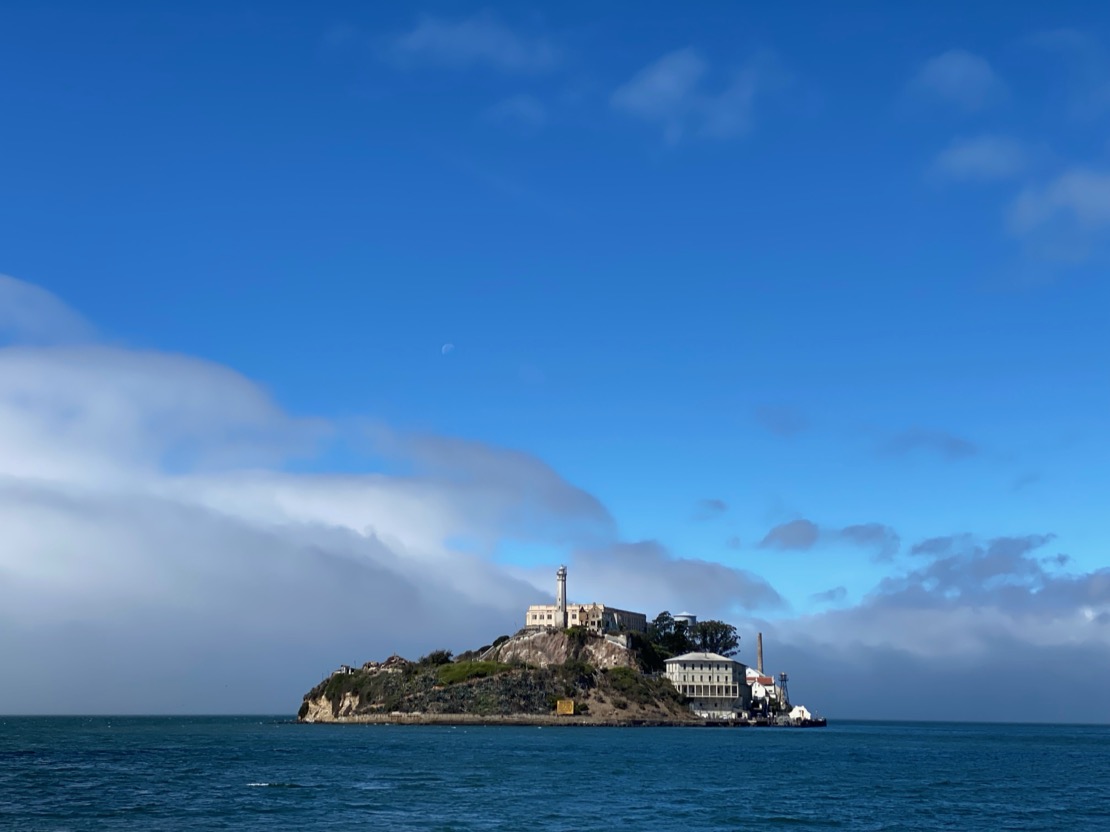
759, 653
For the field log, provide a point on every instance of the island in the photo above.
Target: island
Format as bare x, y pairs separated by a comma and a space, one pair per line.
571, 664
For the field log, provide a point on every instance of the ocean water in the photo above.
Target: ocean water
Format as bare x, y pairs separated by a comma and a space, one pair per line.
265, 773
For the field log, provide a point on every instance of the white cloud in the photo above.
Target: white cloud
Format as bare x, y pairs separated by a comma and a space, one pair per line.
647, 571
481, 40
981, 612
670, 92
960, 78
982, 159
92, 412
155, 540
663, 91
29, 313
1078, 197
968, 594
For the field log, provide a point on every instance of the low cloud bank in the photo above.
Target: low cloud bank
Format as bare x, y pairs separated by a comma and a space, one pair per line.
160, 554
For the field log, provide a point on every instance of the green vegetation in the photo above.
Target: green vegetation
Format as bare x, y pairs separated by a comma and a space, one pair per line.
467, 684
577, 637
624, 679
573, 677
626, 683
673, 638
669, 636
650, 656
453, 674
717, 637
436, 658
341, 683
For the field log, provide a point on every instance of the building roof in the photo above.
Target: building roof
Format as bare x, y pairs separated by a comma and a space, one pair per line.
762, 678
701, 657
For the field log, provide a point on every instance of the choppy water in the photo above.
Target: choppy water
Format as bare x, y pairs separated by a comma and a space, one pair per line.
263, 773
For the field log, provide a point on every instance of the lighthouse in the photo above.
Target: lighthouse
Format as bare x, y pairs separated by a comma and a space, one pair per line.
561, 597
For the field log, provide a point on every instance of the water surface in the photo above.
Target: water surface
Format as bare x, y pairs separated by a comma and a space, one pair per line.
253, 773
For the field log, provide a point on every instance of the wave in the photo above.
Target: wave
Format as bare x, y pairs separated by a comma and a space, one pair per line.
275, 785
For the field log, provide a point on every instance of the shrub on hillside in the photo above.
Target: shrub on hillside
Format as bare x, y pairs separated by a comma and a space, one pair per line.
436, 658
629, 684
578, 636
451, 674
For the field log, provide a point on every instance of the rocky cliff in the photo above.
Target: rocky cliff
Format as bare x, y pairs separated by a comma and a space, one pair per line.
547, 648
523, 676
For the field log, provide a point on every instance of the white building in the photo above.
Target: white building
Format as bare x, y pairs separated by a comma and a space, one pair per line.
596, 617
800, 713
687, 618
716, 686
762, 687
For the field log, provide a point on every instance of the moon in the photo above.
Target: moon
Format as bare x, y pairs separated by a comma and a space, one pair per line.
446, 348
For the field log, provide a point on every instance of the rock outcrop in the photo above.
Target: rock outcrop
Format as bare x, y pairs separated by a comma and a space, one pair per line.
544, 648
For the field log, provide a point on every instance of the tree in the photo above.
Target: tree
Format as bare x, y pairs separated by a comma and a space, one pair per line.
716, 637
661, 627
436, 658
669, 636
650, 654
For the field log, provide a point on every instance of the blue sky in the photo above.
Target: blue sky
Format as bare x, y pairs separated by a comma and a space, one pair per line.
787, 290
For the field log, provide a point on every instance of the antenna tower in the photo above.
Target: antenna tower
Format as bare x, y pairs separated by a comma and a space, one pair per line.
784, 694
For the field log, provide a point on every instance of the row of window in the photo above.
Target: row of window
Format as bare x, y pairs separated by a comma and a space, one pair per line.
538, 616
726, 691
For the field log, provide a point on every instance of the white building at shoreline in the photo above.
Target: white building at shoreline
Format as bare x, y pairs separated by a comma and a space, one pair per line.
716, 685
598, 618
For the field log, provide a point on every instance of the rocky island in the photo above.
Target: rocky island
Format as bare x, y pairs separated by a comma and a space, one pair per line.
521, 679
571, 664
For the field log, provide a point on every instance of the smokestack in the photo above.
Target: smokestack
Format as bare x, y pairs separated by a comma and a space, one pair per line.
759, 653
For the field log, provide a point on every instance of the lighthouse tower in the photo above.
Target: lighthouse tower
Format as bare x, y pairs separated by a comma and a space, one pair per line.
561, 598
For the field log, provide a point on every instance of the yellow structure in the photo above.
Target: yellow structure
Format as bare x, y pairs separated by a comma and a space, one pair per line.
564, 707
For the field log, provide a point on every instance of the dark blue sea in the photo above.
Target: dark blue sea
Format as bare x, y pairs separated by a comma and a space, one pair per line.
265, 773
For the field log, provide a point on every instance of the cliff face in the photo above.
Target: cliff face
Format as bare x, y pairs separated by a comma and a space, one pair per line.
323, 709
544, 648
523, 676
